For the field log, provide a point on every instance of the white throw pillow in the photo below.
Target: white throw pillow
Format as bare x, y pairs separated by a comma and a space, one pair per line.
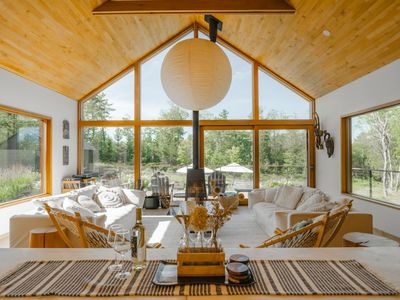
88, 203
110, 198
315, 203
270, 195
308, 192
74, 207
88, 191
288, 196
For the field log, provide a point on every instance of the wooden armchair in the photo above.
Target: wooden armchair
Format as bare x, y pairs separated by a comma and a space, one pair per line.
318, 233
89, 234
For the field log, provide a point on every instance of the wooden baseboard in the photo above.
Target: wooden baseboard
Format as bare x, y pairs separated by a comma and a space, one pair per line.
387, 235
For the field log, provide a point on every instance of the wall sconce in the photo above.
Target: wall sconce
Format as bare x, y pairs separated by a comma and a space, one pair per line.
323, 136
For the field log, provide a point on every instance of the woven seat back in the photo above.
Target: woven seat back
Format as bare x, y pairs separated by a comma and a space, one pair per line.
306, 239
95, 236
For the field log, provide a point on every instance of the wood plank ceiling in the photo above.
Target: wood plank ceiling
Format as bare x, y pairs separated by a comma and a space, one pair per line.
62, 46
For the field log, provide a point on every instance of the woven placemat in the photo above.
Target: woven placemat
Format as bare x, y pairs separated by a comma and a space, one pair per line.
273, 277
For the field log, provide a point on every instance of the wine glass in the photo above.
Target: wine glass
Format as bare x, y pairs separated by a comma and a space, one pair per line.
110, 240
122, 246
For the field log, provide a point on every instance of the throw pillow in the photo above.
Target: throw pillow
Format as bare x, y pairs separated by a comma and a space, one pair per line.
314, 204
308, 192
73, 207
88, 203
110, 198
88, 191
289, 196
270, 195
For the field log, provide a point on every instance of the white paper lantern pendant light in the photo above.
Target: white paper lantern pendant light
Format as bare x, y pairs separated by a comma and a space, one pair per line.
196, 73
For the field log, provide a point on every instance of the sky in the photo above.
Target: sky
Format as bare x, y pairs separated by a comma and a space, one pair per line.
272, 94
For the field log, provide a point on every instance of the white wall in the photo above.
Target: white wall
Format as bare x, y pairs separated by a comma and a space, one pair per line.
20, 93
379, 87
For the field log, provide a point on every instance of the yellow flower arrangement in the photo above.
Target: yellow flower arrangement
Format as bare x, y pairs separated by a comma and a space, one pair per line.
199, 218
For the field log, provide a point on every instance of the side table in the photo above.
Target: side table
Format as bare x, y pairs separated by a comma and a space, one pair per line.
360, 239
46, 237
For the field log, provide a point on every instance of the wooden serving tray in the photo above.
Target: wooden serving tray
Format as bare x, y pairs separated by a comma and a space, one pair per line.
167, 275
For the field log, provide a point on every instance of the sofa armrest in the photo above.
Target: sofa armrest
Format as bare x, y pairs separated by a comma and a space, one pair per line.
135, 197
256, 196
282, 219
21, 225
354, 222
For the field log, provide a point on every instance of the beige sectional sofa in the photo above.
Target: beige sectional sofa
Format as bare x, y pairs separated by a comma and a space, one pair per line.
284, 206
122, 213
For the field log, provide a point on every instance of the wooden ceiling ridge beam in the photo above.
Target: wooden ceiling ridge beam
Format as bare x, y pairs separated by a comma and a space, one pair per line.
193, 6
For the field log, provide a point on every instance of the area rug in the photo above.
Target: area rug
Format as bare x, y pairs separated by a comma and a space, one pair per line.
241, 229
273, 277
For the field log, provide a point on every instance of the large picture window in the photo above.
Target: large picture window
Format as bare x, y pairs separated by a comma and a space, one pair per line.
23, 171
373, 148
108, 154
113, 103
231, 152
167, 150
258, 135
283, 157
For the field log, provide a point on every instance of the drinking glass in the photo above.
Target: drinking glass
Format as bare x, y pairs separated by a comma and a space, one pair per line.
110, 240
122, 246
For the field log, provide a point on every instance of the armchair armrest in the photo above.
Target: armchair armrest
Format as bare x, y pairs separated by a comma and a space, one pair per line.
354, 222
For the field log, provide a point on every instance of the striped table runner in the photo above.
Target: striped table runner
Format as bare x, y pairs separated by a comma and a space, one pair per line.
273, 277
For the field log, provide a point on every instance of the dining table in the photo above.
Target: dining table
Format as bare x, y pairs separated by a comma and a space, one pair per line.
383, 261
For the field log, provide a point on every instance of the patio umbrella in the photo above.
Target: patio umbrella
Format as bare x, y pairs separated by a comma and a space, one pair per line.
234, 168
183, 170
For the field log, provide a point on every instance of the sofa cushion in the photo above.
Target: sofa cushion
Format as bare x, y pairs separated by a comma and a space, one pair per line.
54, 201
124, 215
110, 197
314, 204
270, 195
88, 191
88, 203
74, 207
264, 214
288, 196
256, 196
308, 192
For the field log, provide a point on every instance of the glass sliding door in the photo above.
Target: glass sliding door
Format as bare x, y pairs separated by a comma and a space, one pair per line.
283, 157
167, 150
231, 153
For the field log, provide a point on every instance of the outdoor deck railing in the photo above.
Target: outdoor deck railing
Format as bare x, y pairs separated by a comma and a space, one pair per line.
371, 176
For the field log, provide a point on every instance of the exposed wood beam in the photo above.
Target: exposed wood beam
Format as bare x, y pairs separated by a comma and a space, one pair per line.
193, 6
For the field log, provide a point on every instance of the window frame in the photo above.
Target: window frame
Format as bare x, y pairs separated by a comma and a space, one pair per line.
45, 157
346, 153
229, 124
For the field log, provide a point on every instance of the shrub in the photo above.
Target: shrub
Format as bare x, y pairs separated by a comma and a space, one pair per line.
16, 182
